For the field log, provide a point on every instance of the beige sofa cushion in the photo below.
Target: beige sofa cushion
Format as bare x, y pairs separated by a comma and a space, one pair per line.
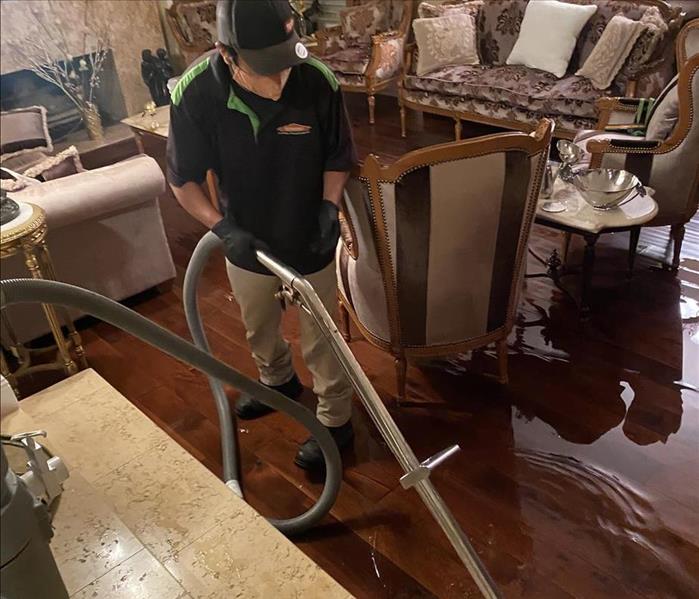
610, 52
447, 40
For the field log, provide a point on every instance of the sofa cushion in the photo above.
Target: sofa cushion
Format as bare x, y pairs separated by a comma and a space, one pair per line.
594, 28
501, 112
429, 10
448, 40
23, 130
610, 52
352, 61
498, 28
520, 86
548, 35
655, 29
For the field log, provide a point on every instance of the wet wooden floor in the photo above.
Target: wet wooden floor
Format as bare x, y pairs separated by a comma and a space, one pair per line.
578, 479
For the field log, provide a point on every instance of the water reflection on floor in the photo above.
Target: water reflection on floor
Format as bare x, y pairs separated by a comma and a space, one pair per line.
602, 449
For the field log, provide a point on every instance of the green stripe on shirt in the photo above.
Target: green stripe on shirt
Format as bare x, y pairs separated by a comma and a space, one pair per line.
325, 69
187, 78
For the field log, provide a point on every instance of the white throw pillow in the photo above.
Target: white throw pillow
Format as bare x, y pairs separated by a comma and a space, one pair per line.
445, 41
548, 35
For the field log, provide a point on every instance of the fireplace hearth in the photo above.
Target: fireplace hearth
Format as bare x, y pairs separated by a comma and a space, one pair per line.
24, 88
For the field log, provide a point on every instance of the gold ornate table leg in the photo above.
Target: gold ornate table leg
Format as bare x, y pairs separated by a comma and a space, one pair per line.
34, 267
47, 266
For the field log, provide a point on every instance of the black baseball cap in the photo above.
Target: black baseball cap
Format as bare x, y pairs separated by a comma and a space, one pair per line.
261, 32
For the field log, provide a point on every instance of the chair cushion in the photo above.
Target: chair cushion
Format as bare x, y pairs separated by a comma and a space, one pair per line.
665, 113
533, 90
361, 22
351, 61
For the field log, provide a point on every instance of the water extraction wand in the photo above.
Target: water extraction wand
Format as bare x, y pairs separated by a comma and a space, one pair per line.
296, 290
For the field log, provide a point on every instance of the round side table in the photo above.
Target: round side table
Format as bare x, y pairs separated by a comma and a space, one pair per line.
26, 235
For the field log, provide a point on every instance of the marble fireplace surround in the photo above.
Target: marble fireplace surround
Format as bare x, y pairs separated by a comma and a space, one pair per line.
133, 25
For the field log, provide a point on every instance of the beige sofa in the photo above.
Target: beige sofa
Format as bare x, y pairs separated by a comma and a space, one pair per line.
517, 97
105, 233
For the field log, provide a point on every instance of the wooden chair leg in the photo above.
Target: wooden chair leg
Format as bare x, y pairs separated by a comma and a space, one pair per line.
401, 375
403, 131
567, 237
677, 236
634, 234
344, 322
457, 129
503, 376
371, 100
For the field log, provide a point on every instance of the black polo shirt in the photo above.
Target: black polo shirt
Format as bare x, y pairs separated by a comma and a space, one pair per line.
269, 156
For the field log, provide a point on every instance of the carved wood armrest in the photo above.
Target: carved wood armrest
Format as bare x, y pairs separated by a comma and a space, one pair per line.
386, 55
616, 111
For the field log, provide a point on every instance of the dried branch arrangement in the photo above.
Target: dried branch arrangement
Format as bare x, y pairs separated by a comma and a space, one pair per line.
50, 58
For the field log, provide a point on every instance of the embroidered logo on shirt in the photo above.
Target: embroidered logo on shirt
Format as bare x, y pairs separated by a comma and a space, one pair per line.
294, 129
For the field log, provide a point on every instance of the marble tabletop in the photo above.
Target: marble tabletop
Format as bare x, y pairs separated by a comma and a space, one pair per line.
156, 124
140, 518
580, 215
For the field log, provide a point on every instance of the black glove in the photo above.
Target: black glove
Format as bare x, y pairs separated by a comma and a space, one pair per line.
239, 245
328, 228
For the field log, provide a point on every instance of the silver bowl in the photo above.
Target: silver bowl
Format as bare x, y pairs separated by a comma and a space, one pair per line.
606, 188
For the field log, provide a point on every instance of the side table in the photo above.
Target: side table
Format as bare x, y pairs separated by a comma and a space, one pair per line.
26, 234
579, 218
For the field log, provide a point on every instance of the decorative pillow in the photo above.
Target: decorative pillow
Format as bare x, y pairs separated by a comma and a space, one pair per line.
610, 52
665, 113
548, 35
445, 41
654, 29
361, 22
61, 165
24, 129
429, 10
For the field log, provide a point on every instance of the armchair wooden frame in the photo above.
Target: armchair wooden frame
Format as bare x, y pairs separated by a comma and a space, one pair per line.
463, 115
599, 148
372, 175
372, 84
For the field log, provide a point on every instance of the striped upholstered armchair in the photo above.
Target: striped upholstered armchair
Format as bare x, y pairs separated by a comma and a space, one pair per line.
434, 246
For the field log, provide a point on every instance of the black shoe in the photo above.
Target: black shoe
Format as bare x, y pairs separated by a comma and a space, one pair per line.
310, 457
248, 408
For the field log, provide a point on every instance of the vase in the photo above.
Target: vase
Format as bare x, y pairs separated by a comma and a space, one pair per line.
93, 121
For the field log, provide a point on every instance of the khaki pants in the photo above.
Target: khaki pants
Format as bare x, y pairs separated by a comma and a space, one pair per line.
261, 313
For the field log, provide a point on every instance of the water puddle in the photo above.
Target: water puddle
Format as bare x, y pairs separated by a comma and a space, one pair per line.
608, 523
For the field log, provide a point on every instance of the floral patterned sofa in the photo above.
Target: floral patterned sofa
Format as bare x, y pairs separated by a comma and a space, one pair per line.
517, 97
366, 54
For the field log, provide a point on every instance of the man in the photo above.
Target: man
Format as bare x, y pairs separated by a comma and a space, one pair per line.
270, 121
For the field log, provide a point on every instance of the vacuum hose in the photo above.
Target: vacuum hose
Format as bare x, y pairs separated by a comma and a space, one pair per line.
18, 291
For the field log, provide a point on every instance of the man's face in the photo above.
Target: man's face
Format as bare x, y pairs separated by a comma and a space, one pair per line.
239, 63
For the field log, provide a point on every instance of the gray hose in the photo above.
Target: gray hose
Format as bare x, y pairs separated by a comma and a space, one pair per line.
18, 291
229, 430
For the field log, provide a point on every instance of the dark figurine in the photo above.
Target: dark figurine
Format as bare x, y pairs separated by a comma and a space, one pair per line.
149, 74
165, 73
